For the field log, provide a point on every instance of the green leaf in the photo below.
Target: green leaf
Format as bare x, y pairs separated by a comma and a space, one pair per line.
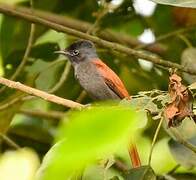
141, 173
181, 3
43, 51
183, 155
90, 134
7, 114
14, 32
50, 75
188, 61
184, 176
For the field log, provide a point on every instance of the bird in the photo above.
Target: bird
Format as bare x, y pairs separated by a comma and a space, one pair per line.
97, 79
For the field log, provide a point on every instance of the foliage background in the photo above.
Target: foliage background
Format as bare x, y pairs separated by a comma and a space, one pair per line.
44, 69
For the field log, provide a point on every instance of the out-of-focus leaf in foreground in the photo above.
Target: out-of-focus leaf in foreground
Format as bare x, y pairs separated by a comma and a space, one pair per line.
89, 135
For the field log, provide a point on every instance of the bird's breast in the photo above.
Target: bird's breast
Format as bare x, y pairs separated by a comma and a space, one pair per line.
92, 81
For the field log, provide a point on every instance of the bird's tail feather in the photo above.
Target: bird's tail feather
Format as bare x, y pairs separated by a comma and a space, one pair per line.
134, 155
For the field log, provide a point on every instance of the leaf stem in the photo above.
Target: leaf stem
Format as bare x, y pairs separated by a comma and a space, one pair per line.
154, 140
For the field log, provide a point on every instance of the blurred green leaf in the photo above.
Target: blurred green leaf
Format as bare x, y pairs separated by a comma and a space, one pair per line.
7, 114
184, 176
188, 61
6, 118
50, 75
31, 132
90, 134
182, 154
43, 51
9, 168
181, 3
14, 32
162, 14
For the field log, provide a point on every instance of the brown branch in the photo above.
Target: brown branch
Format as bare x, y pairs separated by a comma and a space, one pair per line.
57, 115
26, 97
39, 93
84, 27
114, 46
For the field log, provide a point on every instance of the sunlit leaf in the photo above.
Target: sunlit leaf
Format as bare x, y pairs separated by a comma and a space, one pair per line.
162, 160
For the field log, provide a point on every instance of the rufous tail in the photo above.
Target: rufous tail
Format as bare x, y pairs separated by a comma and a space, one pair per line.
134, 155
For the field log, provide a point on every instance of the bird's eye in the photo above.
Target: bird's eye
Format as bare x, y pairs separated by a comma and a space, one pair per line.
75, 52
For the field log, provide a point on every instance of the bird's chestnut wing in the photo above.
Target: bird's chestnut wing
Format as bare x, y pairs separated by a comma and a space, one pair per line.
111, 79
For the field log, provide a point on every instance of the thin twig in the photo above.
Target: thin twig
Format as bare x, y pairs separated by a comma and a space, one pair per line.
11, 102
173, 170
186, 41
154, 140
62, 79
84, 26
9, 141
44, 95
57, 115
114, 46
81, 97
94, 28
26, 54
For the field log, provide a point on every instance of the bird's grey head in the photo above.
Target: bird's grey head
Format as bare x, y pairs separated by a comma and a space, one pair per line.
82, 50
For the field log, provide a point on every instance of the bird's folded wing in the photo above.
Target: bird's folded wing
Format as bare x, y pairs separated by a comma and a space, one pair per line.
111, 79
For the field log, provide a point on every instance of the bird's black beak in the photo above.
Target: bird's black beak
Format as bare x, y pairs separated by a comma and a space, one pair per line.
63, 52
